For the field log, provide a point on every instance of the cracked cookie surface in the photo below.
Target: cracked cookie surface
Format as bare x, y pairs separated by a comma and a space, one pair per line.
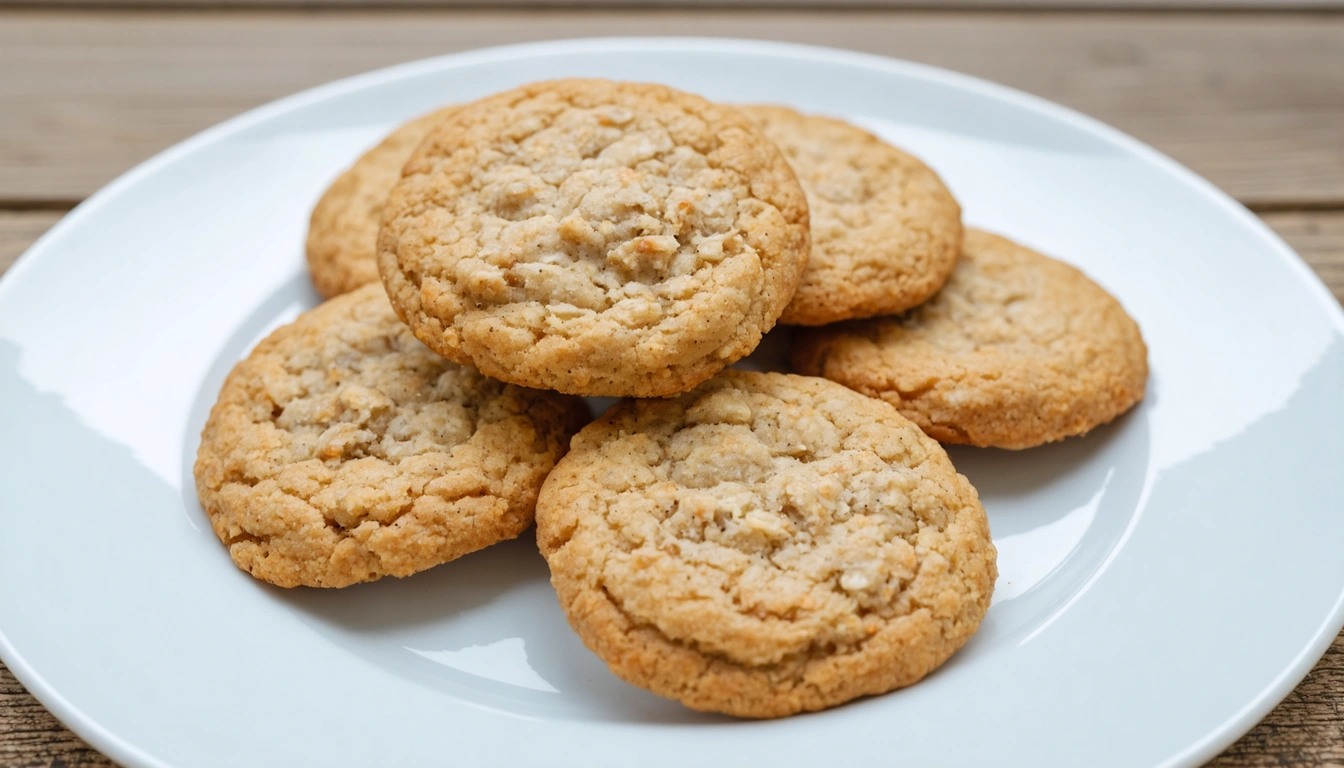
342, 450
765, 544
1017, 350
886, 232
343, 230
594, 237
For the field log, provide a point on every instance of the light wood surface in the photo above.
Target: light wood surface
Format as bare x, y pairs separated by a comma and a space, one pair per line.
1319, 238
1252, 100
18, 230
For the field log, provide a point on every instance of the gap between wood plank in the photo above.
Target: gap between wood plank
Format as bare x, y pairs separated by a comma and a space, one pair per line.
37, 205
1306, 206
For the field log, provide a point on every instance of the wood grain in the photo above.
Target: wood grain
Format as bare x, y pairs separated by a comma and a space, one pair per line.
1255, 102
31, 736
1307, 729
1319, 239
18, 230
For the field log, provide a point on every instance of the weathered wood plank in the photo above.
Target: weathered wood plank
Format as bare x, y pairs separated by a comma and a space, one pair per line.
1307, 729
18, 230
1319, 238
32, 736
1252, 101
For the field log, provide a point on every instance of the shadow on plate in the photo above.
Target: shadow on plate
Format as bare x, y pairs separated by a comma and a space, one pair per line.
488, 629
1056, 512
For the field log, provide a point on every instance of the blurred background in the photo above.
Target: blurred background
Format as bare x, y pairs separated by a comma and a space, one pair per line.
1248, 93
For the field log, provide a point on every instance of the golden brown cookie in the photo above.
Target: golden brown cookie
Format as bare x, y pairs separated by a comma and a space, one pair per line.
1016, 350
343, 230
765, 544
594, 237
886, 232
342, 450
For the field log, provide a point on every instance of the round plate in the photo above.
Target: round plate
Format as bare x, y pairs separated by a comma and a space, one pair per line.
1164, 580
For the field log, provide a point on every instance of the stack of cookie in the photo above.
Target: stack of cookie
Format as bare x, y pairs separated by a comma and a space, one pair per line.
749, 543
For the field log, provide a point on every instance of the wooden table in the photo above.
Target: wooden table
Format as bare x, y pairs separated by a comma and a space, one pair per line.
1248, 93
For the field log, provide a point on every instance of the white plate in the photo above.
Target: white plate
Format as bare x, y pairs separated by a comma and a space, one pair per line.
1165, 580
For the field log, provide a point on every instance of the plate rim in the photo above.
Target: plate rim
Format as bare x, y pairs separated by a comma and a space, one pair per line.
1198, 752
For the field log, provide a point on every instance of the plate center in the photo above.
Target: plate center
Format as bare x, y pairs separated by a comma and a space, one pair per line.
487, 628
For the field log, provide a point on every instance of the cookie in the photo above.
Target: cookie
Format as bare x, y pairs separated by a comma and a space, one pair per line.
764, 545
342, 450
886, 232
1017, 350
594, 237
343, 230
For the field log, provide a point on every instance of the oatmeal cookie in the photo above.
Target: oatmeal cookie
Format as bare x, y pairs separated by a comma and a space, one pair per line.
1017, 350
343, 230
342, 450
765, 544
886, 232
594, 237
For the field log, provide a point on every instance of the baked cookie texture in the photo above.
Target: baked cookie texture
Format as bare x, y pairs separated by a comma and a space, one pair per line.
343, 230
886, 232
1017, 350
765, 544
342, 450
594, 237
